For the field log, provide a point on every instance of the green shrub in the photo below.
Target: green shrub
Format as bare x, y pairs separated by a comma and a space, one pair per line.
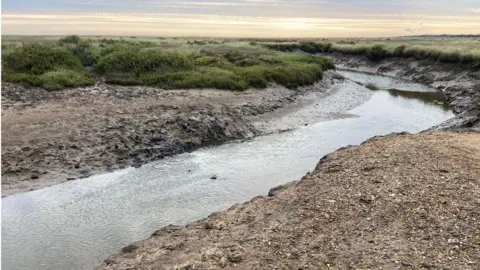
308, 47
255, 76
206, 60
60, 79
346, 42
205, 71
452, 57
377, 52
467, 58
398, 52
247, 62
108, 41
233, 56
272, 60
350, 49
49, 66
197, 42
40, 58
21, 78
51, 80
422, 53
325, 47
206, 77
283, 47
325, 63
72, 39
118, 47
138, 62
85, 52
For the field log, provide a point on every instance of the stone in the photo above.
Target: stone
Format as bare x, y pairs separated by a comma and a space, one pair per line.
188, 267
366, 200
208, 226
157, 139
129, 248
235, 257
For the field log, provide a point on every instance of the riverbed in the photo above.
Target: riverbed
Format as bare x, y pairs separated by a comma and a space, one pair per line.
77, 224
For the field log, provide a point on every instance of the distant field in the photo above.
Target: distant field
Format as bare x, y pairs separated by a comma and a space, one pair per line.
456, 45
443, 49
56, 62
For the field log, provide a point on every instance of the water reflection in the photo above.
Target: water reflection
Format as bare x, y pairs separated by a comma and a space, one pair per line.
433, 98
397, 87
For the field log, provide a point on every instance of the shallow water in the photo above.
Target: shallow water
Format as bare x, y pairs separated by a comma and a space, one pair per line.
77, 224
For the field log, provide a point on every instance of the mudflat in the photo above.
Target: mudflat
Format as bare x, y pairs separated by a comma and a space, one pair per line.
399, 201
52, 137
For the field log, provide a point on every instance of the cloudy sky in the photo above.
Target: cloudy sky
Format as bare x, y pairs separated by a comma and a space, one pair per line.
255, 18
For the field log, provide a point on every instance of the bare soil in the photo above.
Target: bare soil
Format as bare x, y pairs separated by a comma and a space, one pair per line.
395, 202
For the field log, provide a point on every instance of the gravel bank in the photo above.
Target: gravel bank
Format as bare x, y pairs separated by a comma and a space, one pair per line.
400, 201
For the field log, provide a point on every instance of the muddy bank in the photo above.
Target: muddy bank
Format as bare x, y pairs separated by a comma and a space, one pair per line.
459, 83
51, 137
392, 202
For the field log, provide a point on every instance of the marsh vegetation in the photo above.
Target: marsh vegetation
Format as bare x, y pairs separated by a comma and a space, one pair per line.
443, 49
169, 64
56, 63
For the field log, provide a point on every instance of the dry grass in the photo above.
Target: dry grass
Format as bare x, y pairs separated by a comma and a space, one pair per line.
443, 49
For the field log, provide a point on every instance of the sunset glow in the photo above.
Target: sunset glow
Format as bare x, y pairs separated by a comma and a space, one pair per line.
256, 18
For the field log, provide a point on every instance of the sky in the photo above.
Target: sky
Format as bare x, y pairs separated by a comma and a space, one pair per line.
241, 18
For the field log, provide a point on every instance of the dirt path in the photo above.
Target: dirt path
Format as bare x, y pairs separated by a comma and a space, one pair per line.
52, 137
401, 201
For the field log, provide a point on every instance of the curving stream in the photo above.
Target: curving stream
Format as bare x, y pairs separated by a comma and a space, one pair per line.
77, 224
